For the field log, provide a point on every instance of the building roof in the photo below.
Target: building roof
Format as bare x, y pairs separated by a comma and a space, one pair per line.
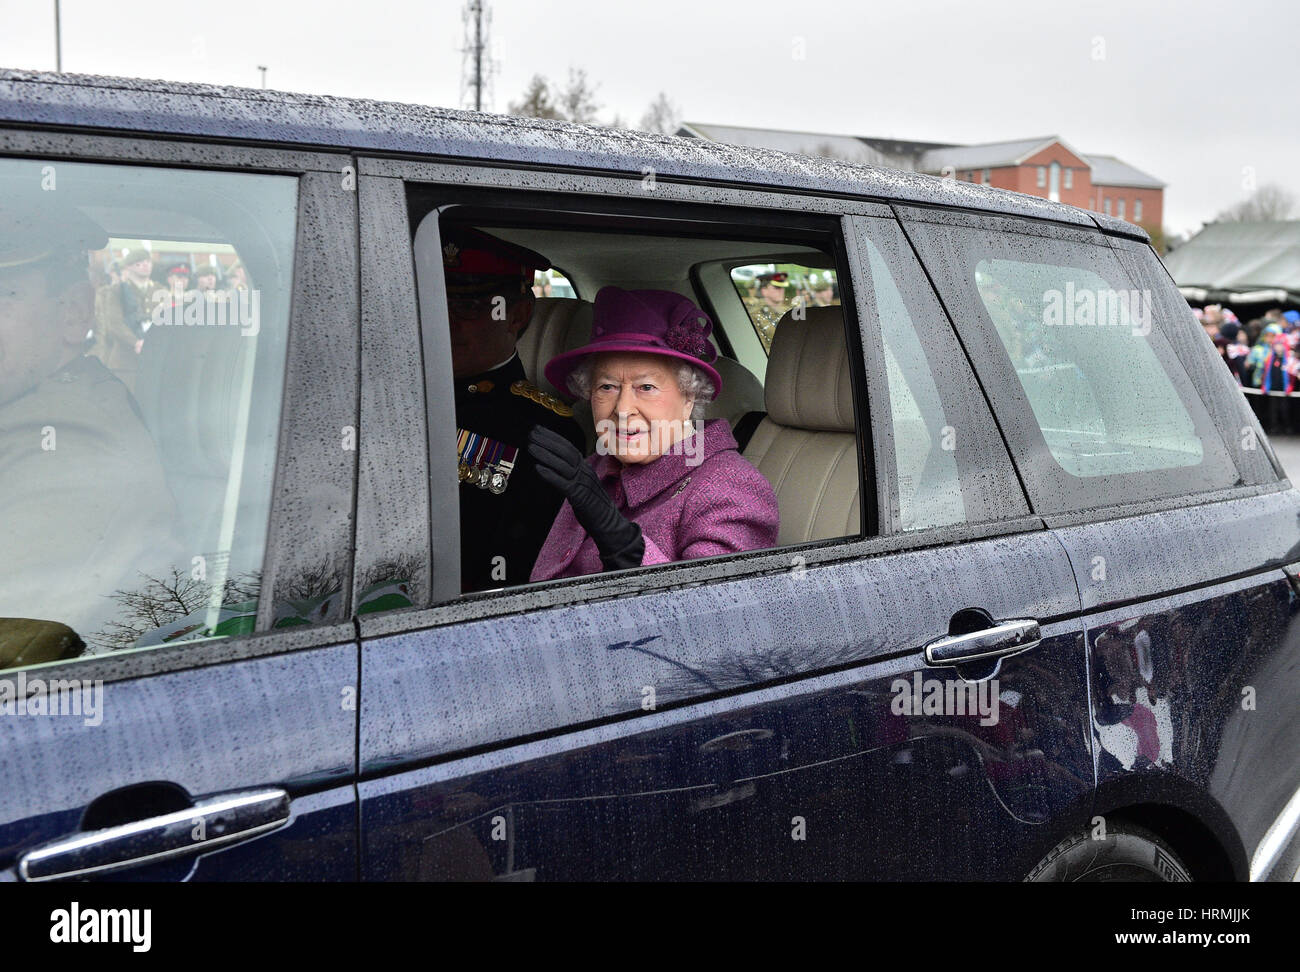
249, 115
802, 143
988, 155
1110, 171
1107, 170
1234, 258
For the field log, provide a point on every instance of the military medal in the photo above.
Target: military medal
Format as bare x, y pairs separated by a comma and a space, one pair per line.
484, 462
505, 465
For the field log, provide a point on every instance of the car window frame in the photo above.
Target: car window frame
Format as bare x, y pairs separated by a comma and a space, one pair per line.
616, 191
511, 209
987, 435
323, 338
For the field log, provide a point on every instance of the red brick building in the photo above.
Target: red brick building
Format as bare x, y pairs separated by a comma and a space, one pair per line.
1047, 166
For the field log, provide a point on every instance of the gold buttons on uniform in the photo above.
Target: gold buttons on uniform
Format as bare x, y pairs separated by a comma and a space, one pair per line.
530, 391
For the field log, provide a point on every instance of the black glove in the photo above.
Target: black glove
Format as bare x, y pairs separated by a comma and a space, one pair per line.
560, 464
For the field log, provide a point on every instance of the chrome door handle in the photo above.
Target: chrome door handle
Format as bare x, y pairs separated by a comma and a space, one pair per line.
1004, 638
223, 820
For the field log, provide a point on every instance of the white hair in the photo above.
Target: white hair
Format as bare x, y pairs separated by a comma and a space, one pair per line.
692, 382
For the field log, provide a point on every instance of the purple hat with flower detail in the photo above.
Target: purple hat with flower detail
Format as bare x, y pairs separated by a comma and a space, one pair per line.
643, 322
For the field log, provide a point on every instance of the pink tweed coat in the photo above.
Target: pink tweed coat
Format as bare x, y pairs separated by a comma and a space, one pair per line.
686, 507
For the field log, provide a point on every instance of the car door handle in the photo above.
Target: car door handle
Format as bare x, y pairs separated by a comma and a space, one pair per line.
1004, 638
221, 820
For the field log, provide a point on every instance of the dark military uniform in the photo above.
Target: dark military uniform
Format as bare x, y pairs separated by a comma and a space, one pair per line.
506, 510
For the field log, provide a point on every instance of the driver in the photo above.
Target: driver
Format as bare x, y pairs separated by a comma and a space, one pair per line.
84, 506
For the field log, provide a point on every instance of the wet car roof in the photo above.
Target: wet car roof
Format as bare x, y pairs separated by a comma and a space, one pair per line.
323, 121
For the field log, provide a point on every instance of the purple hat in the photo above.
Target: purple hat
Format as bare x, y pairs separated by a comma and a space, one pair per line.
643, 322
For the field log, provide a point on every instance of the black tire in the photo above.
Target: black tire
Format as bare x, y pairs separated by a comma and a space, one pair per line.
1128, 853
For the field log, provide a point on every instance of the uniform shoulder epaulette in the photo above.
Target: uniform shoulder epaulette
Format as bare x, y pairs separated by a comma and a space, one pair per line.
526, 389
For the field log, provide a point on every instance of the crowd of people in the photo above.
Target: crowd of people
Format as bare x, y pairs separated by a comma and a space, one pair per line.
130, 298
1263, 354
775, 293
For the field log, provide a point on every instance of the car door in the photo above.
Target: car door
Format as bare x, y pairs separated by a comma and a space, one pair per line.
763, 715
1142, 455
194, 718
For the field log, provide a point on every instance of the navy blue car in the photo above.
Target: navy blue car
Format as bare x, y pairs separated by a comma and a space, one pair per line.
1031, 612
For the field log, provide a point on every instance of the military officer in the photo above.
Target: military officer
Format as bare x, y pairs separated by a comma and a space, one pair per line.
506, 510
84, 506
771, 289
121, 310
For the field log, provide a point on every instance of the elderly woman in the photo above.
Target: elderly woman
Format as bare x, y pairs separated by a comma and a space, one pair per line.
664, 485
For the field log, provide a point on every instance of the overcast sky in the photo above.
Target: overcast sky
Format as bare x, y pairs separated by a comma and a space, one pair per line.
1193, 92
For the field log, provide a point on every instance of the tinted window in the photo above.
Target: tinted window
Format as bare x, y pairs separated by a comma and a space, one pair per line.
947, 463
1079, 348
929, 489
1079, 359
143, 321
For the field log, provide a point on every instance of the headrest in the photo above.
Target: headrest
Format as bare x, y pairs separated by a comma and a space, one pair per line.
808, 383
558, 324
189, 391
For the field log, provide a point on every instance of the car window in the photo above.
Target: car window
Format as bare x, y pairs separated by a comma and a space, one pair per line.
143, 323
792, 476
949, 463
1075, 376
1080, 360
552, 283
929, 488
770, 290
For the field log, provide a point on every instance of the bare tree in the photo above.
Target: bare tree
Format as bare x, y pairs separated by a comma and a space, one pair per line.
578, 100
1268, 203
538, 101
662, 116
162, 600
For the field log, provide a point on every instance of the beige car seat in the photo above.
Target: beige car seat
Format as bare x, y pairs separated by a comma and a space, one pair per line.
807, 446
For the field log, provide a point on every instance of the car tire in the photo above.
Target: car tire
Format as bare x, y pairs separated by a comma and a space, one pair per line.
1127, 853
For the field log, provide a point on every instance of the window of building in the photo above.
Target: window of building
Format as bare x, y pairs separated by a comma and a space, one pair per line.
1042, 177
136, 472
988, 177
1069, 178
1137, 210
1105, 205
1120, 211
1054, 183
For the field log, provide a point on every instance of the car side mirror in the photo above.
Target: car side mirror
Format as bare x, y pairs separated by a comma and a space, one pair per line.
27, 641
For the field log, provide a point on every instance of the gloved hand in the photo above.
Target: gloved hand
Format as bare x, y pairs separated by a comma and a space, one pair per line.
618, 539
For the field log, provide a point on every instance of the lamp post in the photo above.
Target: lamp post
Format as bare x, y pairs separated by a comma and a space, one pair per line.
58, 40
